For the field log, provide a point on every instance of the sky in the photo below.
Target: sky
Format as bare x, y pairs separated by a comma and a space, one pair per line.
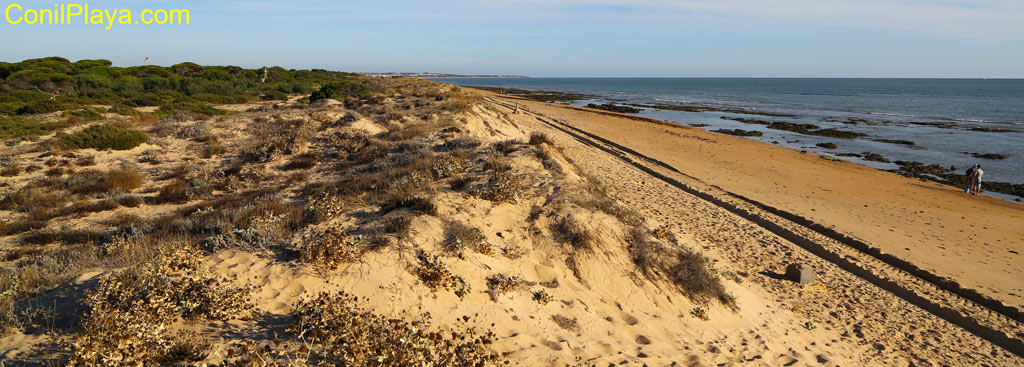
558, 38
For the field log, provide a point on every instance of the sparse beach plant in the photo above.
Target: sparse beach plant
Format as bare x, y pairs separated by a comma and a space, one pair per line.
538, 138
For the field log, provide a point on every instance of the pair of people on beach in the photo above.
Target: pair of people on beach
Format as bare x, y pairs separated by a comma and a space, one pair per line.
974, 179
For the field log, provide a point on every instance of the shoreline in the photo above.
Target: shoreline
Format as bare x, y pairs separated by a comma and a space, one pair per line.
926, 170
911, 219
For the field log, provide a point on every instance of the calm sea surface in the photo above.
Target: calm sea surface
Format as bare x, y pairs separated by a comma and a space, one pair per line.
936, 114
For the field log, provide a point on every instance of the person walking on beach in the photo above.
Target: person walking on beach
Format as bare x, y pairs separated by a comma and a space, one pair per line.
969, 175
976, 182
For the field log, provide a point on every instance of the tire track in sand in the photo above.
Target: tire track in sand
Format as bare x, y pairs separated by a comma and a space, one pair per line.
967, 309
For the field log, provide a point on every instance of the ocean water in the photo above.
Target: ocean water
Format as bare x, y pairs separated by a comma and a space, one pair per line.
936, 114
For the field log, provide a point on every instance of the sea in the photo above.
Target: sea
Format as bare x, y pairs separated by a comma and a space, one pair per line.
944, 118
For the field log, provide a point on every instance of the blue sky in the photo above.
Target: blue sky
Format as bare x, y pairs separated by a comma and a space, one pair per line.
740, 38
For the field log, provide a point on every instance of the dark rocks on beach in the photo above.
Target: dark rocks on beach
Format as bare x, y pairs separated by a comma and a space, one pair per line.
700, 108
812, 129
539, 95
992, 130
896, 141
835, 133
992, 156
916, 169
874, 157
800, 273
614, 108
699, 125
739, 132
848, 121
827, 145
938, 125
746, 120
848, 155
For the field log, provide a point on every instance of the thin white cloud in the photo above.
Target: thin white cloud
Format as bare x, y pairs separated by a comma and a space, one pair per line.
978, 20
988, 20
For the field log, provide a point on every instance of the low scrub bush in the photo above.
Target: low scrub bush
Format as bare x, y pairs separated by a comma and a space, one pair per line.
539, 138
690, 272
413, 203
575, 233
341, 333
436, 275
11, 170
64, 236
92, 181
302, 161
44, 106
176, 192
86, 114
499, 284
459, 237
328, 247
31, 199
12, 127
501, 187
124, 110
104, 137
131, 311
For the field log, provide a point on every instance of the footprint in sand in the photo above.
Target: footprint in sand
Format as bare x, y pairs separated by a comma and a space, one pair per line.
555, 346
786, 360
629, 319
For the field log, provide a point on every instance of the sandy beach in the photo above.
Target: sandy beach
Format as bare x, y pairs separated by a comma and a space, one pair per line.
976, 241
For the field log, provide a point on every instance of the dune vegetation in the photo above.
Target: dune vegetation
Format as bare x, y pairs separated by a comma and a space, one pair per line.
125, 199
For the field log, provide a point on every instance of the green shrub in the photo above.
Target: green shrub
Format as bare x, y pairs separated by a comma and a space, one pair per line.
44, 106
87, 114
125, 110
222, 99
347, 88
10, 108
274, 95
12, 127
103, 137
148, 99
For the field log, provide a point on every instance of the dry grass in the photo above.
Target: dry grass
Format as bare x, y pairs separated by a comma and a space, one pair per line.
64, 236
459, 237
212, 146
301, 161
688, 270
32, 199
416, 204
397, 223
570, 230
176, 192
537, 138
11, 170
692, 275
127, 178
